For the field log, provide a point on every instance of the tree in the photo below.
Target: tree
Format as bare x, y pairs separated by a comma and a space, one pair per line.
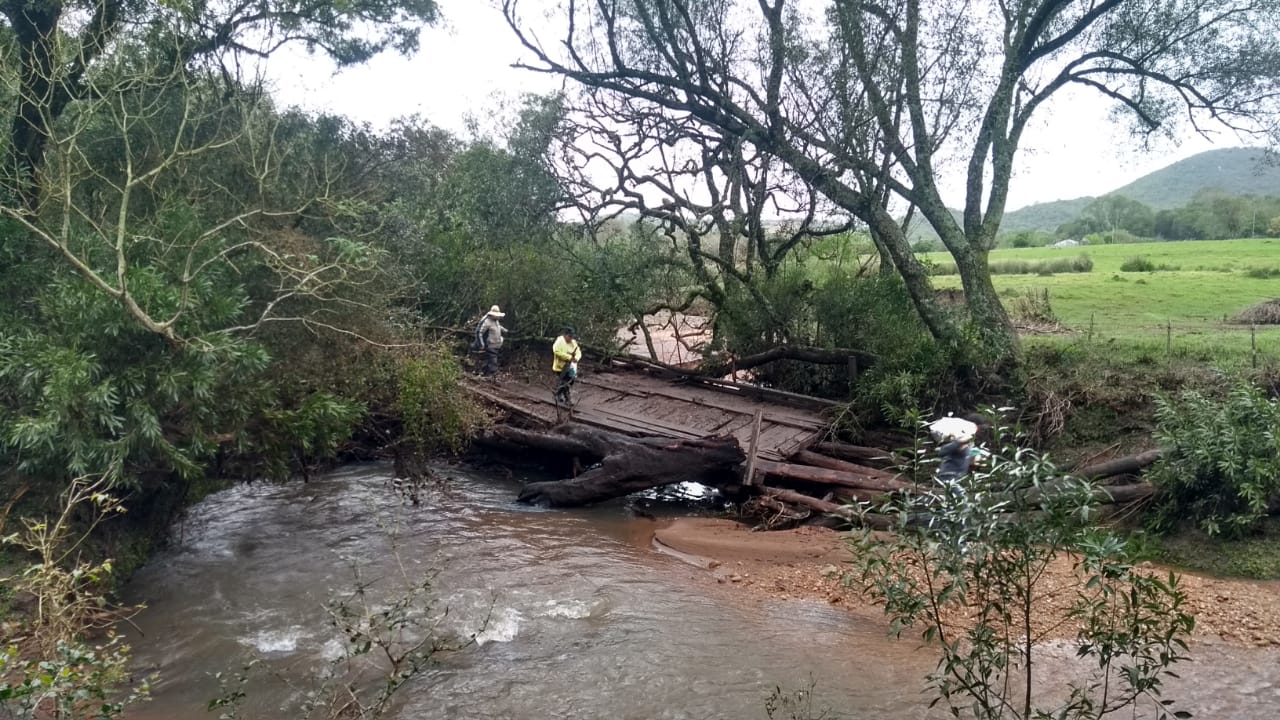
863, 100
707, 196
1110, 213
61, 45
167, 244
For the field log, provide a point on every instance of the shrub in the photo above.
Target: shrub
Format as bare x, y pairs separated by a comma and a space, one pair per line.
1263, 273
57, 674
1139, 263
1266, 312
1032, 307
973, 581
1078, 264
1221, 462
438, 414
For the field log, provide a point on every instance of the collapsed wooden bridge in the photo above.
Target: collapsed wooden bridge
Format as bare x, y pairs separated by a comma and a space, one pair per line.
630, 430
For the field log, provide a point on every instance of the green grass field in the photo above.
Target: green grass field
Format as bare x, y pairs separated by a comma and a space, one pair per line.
1206, 283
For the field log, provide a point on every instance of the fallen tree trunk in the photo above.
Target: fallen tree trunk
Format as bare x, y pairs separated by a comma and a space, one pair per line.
858, 453
1119, 466
826, 476
626, 464
1121, 494
806, 457
814, 355
844, 512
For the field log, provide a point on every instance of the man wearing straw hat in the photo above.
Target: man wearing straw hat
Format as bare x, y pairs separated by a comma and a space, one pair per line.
489, 338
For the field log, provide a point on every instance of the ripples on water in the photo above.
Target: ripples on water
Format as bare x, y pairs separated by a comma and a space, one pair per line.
584, 620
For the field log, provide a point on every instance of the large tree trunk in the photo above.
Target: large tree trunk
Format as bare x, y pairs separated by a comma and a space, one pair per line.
626, 464
999, 338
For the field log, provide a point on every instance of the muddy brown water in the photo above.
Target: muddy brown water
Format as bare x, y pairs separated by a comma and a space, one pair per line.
586, 620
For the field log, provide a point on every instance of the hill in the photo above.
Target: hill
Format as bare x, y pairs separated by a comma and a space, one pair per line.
1230, 171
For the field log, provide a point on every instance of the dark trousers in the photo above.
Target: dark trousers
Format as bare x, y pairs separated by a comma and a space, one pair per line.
490, 362
563, 383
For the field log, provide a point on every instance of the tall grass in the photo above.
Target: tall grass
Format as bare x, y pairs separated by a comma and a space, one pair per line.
1141, 263
1078, 264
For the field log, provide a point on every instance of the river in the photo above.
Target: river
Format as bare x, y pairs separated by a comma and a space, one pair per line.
585, 620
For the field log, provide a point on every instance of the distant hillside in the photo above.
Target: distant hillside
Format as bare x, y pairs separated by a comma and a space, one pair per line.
1044, 216
1230, 171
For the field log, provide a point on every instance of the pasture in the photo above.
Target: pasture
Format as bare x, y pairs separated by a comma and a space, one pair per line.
1196, 288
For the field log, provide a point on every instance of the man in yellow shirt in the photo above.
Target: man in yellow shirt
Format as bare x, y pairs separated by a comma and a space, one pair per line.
566, 355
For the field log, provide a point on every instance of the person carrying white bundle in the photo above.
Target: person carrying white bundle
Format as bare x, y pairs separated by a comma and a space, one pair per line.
956, 449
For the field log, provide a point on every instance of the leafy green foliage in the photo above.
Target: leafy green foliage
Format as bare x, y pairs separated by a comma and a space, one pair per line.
438, 414
965, 569
1221, 462
76, 681
58, 674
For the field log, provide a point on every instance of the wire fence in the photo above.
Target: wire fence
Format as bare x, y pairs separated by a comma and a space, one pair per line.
679, 338
1253, 344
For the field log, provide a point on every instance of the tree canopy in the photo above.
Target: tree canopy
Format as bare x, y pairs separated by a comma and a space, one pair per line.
871, 103
59, 49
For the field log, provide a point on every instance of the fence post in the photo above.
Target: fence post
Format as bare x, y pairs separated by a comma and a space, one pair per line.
1168, 338
1090, 336
1253, 344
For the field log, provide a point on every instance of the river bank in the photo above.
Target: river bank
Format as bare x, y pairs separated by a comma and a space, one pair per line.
810, 563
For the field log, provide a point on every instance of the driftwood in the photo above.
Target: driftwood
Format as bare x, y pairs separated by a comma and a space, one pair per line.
626, 464
844, 512
826, 476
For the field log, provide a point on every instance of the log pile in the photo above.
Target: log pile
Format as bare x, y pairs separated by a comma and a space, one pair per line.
812, 483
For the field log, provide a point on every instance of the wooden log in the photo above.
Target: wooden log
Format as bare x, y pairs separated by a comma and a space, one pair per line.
1122, 494
806, 457
626, 464
1101, 494
831, 477
1119, 466
749, 476
814, 355
858, 453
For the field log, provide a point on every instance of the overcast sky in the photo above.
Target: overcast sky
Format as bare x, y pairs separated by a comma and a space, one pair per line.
463, 73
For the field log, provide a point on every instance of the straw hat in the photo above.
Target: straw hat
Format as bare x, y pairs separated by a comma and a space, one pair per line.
495, 312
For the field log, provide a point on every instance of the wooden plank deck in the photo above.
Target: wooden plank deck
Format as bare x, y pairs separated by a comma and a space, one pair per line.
638, 404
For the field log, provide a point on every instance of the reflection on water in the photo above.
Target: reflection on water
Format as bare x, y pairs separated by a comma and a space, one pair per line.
584, 620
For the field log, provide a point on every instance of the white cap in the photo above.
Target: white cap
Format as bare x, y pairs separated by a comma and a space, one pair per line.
495, 312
